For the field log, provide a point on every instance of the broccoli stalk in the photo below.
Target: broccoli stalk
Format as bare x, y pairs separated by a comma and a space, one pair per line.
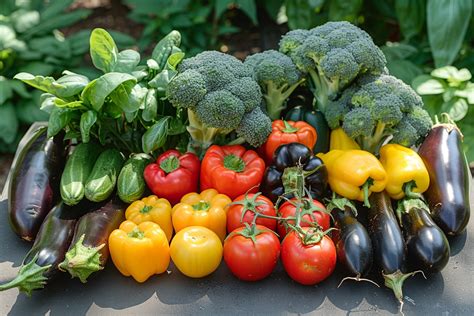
202, 137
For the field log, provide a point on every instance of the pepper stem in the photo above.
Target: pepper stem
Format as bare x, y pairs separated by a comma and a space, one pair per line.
146, 209
201, 206
30, 277
394, 281
170, 164
136, 233
289, 129
82, 261
408, 190
234, 163
365, 189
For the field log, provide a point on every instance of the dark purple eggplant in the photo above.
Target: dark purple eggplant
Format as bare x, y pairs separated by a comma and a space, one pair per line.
427, 245
49, 248
448, 193
389, 245
89, 251
34, 181
353, 244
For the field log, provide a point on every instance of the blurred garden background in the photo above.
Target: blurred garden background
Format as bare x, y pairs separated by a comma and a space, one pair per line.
428, 43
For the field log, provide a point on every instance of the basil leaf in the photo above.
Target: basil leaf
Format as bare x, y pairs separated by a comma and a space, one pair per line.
5, 90
103, 51
128, 99
60, 103
347, 10
58, 119
99, 89
47, 102
411, 16
88, 120
46, 84
426, 85
150, 106
163, 49
127, 61
155, 136
161, 81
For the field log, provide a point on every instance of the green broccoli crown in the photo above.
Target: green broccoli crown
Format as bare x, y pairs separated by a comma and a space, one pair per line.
335, 113
420, 120
291, 40
333, 55
358, 122
273, 66
405, 134
220, 109
247, 90
255, 127
187, 89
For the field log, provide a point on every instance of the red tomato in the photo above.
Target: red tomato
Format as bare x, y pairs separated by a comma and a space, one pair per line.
288, 209
308, 264
249, 202
251, 260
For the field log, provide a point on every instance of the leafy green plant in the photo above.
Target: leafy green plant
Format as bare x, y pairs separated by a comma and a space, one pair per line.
29, 41
200, 22
125, 107
448, 89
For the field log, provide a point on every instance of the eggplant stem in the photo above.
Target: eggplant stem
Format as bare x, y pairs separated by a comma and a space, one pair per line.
358, 279
394, 281
29, 278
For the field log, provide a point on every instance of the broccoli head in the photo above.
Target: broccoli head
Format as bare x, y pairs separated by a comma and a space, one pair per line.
218, 91
278, 77
375, 108
255, 127
333, 55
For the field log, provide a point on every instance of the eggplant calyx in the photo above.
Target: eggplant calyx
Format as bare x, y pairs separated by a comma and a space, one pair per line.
82, 261
394, 281
447, 122
29, 278
407, 204
358, 279
340, 203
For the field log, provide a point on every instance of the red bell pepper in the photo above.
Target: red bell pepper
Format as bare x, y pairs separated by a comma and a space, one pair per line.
231, 170
173, 175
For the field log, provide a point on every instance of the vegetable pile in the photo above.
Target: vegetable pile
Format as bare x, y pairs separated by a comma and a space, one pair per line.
191, 161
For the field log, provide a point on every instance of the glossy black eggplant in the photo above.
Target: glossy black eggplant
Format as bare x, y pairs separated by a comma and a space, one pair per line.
388, 242
34, 181
49, 248
448, 193
293, 168
89, 250
427, 245
353, 244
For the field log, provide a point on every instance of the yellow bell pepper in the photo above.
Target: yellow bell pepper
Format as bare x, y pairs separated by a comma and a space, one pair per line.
208, 209
340, 140
152, 209
140, 250
354, 174
407, 174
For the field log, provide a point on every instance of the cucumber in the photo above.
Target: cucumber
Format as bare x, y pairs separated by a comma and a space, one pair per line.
101, 181
78, 168
131, 183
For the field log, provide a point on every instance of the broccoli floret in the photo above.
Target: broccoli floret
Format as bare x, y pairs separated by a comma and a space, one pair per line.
405, 134
255, 127
333, 55
220, 109
374, 108
247, 90
278, 77
217, 90
187, 89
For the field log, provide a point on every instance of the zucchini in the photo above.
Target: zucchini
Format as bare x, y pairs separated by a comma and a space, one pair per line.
78, 167
131, 183
101, 181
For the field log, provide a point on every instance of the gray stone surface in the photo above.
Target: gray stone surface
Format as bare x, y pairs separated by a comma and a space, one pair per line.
108, 292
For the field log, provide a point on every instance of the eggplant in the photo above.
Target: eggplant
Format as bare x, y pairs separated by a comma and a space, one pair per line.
448, 193
353, 244
89, 251
389, 245
428, 247
49, 248
33, 185
294, 169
